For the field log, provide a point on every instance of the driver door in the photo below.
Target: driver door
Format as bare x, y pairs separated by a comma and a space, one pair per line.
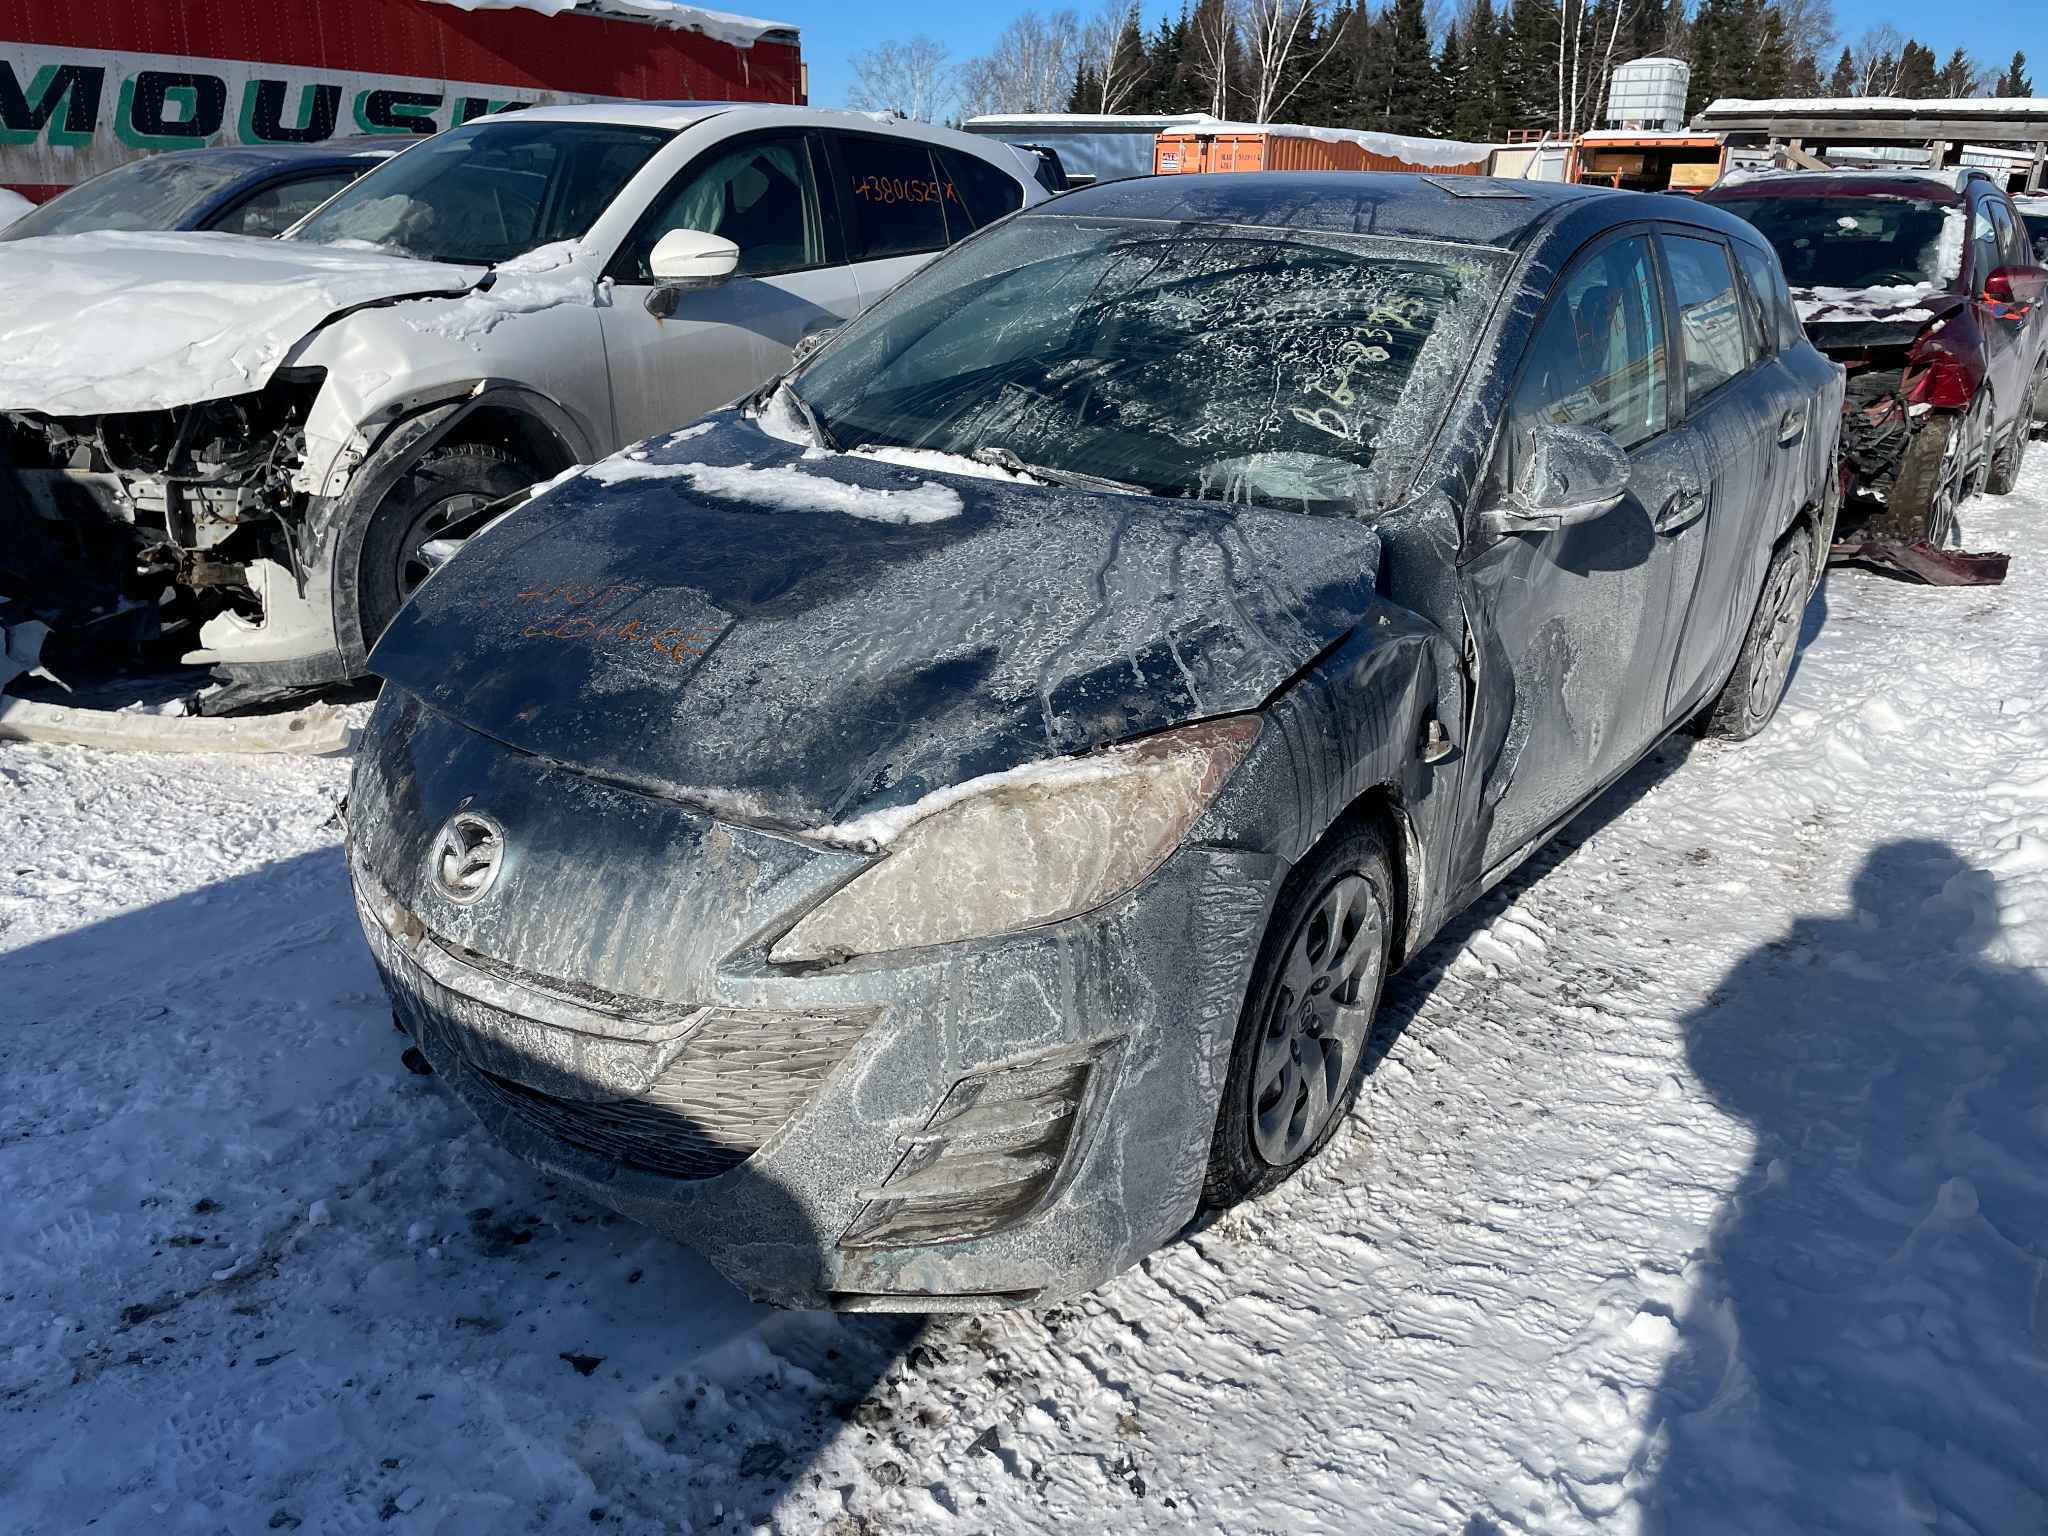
759, 191
1568, 622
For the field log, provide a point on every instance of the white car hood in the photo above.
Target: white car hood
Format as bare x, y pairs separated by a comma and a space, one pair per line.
141, 321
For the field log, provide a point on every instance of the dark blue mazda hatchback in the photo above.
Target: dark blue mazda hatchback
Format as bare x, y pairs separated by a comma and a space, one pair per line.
921, 834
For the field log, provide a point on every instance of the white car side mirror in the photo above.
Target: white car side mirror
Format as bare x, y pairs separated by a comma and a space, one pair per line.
692, 256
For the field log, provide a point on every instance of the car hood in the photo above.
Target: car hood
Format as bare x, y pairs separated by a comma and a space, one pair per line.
728, 623
1872, 317
117, 321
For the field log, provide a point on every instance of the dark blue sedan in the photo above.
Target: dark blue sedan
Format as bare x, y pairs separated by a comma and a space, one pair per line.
238, 190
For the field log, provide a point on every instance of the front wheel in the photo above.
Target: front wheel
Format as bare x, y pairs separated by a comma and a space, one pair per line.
1299, 1057
1943, 464
444, 487
1751, 695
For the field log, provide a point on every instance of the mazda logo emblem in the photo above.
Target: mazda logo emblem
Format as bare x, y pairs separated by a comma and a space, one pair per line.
467, 856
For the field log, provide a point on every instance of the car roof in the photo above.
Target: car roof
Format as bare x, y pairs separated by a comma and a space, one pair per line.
1472, 210
261, 157
686, 114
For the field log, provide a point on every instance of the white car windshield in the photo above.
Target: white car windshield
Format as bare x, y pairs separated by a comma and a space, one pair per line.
488, 191
1282, 367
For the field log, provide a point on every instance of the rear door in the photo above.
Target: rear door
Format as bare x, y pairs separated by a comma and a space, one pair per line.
762, 192
905, 200
1572, 617
2006, 328
1747, 421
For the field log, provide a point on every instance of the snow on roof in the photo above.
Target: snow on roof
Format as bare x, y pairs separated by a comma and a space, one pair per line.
1089, 122
740, 31
1437, 154
1881, 106
1951, 178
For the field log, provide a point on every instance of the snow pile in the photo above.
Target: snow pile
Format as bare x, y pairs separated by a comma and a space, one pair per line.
724, 27
1880, 106
547, 276
945, 463
792, 490
12, 206
119, 321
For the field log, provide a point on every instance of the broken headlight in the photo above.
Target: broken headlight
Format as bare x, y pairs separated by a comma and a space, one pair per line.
1034, 847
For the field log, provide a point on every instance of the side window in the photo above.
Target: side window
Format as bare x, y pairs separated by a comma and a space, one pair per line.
276, 209
897, 197
1984, 255
1598, 358
1767, 281
2011, 250
759, 194
976, 192
1712, 341
1756, 302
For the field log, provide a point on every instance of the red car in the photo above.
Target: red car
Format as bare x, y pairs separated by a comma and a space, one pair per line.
1925, 286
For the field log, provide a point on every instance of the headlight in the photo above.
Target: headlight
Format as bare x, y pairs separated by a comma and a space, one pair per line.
1035, 846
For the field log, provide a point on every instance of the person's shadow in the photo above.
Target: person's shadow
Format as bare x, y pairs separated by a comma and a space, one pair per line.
1866, 1345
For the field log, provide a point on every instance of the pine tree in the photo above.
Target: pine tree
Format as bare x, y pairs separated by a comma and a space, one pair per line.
1086, 96
1162, 56
1842, 83
1770, 67
1529, 65
1474, 114
1718, 52
1325, 95
1128, 65
1804, 79
1958, 77
1450, 85
1916, 71
1411, 68
2014, 81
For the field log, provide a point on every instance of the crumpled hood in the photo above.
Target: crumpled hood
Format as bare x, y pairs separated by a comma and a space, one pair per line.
119, 321
1872, 317
763, 647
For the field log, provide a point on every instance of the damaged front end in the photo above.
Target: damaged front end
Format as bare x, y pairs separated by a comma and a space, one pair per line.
117, 529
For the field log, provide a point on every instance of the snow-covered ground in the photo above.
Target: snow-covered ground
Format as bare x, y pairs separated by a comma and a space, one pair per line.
1703, 1187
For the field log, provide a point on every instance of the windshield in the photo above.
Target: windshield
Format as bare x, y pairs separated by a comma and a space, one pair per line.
1289, 369
487, 192
157, 192
1858, 242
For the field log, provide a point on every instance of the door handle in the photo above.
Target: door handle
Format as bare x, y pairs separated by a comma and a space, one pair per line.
1791, 428
1682, 508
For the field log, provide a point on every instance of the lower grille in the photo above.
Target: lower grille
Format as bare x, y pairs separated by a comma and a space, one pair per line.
736, 1082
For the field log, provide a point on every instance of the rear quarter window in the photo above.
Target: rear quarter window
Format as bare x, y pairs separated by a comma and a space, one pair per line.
976, 192
897, 197
1767, 282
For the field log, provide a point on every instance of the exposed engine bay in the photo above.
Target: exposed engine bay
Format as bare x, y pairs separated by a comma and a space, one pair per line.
127, 525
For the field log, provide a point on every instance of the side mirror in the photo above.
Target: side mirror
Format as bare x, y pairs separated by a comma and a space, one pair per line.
809, 343
687, 258
1573, 475
2016, 285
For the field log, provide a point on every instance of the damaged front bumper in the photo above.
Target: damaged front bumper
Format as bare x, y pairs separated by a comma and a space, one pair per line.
194, 517
992, 1123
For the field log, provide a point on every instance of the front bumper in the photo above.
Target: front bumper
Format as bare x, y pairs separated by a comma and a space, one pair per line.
616, 1024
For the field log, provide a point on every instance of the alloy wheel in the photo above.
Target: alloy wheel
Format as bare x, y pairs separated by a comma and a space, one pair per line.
1318, 1020
1784, 605
432, 519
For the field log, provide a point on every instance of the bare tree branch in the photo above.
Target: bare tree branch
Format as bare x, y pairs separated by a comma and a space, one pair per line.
912, 76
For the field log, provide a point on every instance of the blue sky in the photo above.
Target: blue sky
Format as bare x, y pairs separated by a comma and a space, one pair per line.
833, 29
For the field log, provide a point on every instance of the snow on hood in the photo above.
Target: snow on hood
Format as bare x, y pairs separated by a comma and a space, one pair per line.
12, 206
820, 667
135, 321
786, 488
739, 31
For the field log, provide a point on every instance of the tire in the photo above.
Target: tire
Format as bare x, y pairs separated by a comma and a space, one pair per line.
2006, 464
445, 484
1939, 470
1751, 695
1301, 1042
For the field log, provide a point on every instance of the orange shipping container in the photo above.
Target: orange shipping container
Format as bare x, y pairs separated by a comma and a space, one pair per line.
1280, 147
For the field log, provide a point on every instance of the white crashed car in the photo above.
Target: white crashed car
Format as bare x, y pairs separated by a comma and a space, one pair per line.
275, 430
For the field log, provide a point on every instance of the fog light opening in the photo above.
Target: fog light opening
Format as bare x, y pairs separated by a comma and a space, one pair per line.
993, 1154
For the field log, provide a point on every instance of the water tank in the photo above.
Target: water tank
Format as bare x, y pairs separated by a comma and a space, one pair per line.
1649, 93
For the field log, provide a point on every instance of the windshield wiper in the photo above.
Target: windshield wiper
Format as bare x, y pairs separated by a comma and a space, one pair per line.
1003, 458
803, 408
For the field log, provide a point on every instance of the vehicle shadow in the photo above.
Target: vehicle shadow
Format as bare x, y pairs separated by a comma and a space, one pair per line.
1866, 1344
242, 1237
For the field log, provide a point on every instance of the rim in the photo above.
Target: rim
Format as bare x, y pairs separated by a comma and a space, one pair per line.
1959, 460
428, 525
1318, 1020
1783, 608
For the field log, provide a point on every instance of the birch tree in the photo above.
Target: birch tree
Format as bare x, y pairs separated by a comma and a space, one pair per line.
913, 76
1282, 52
